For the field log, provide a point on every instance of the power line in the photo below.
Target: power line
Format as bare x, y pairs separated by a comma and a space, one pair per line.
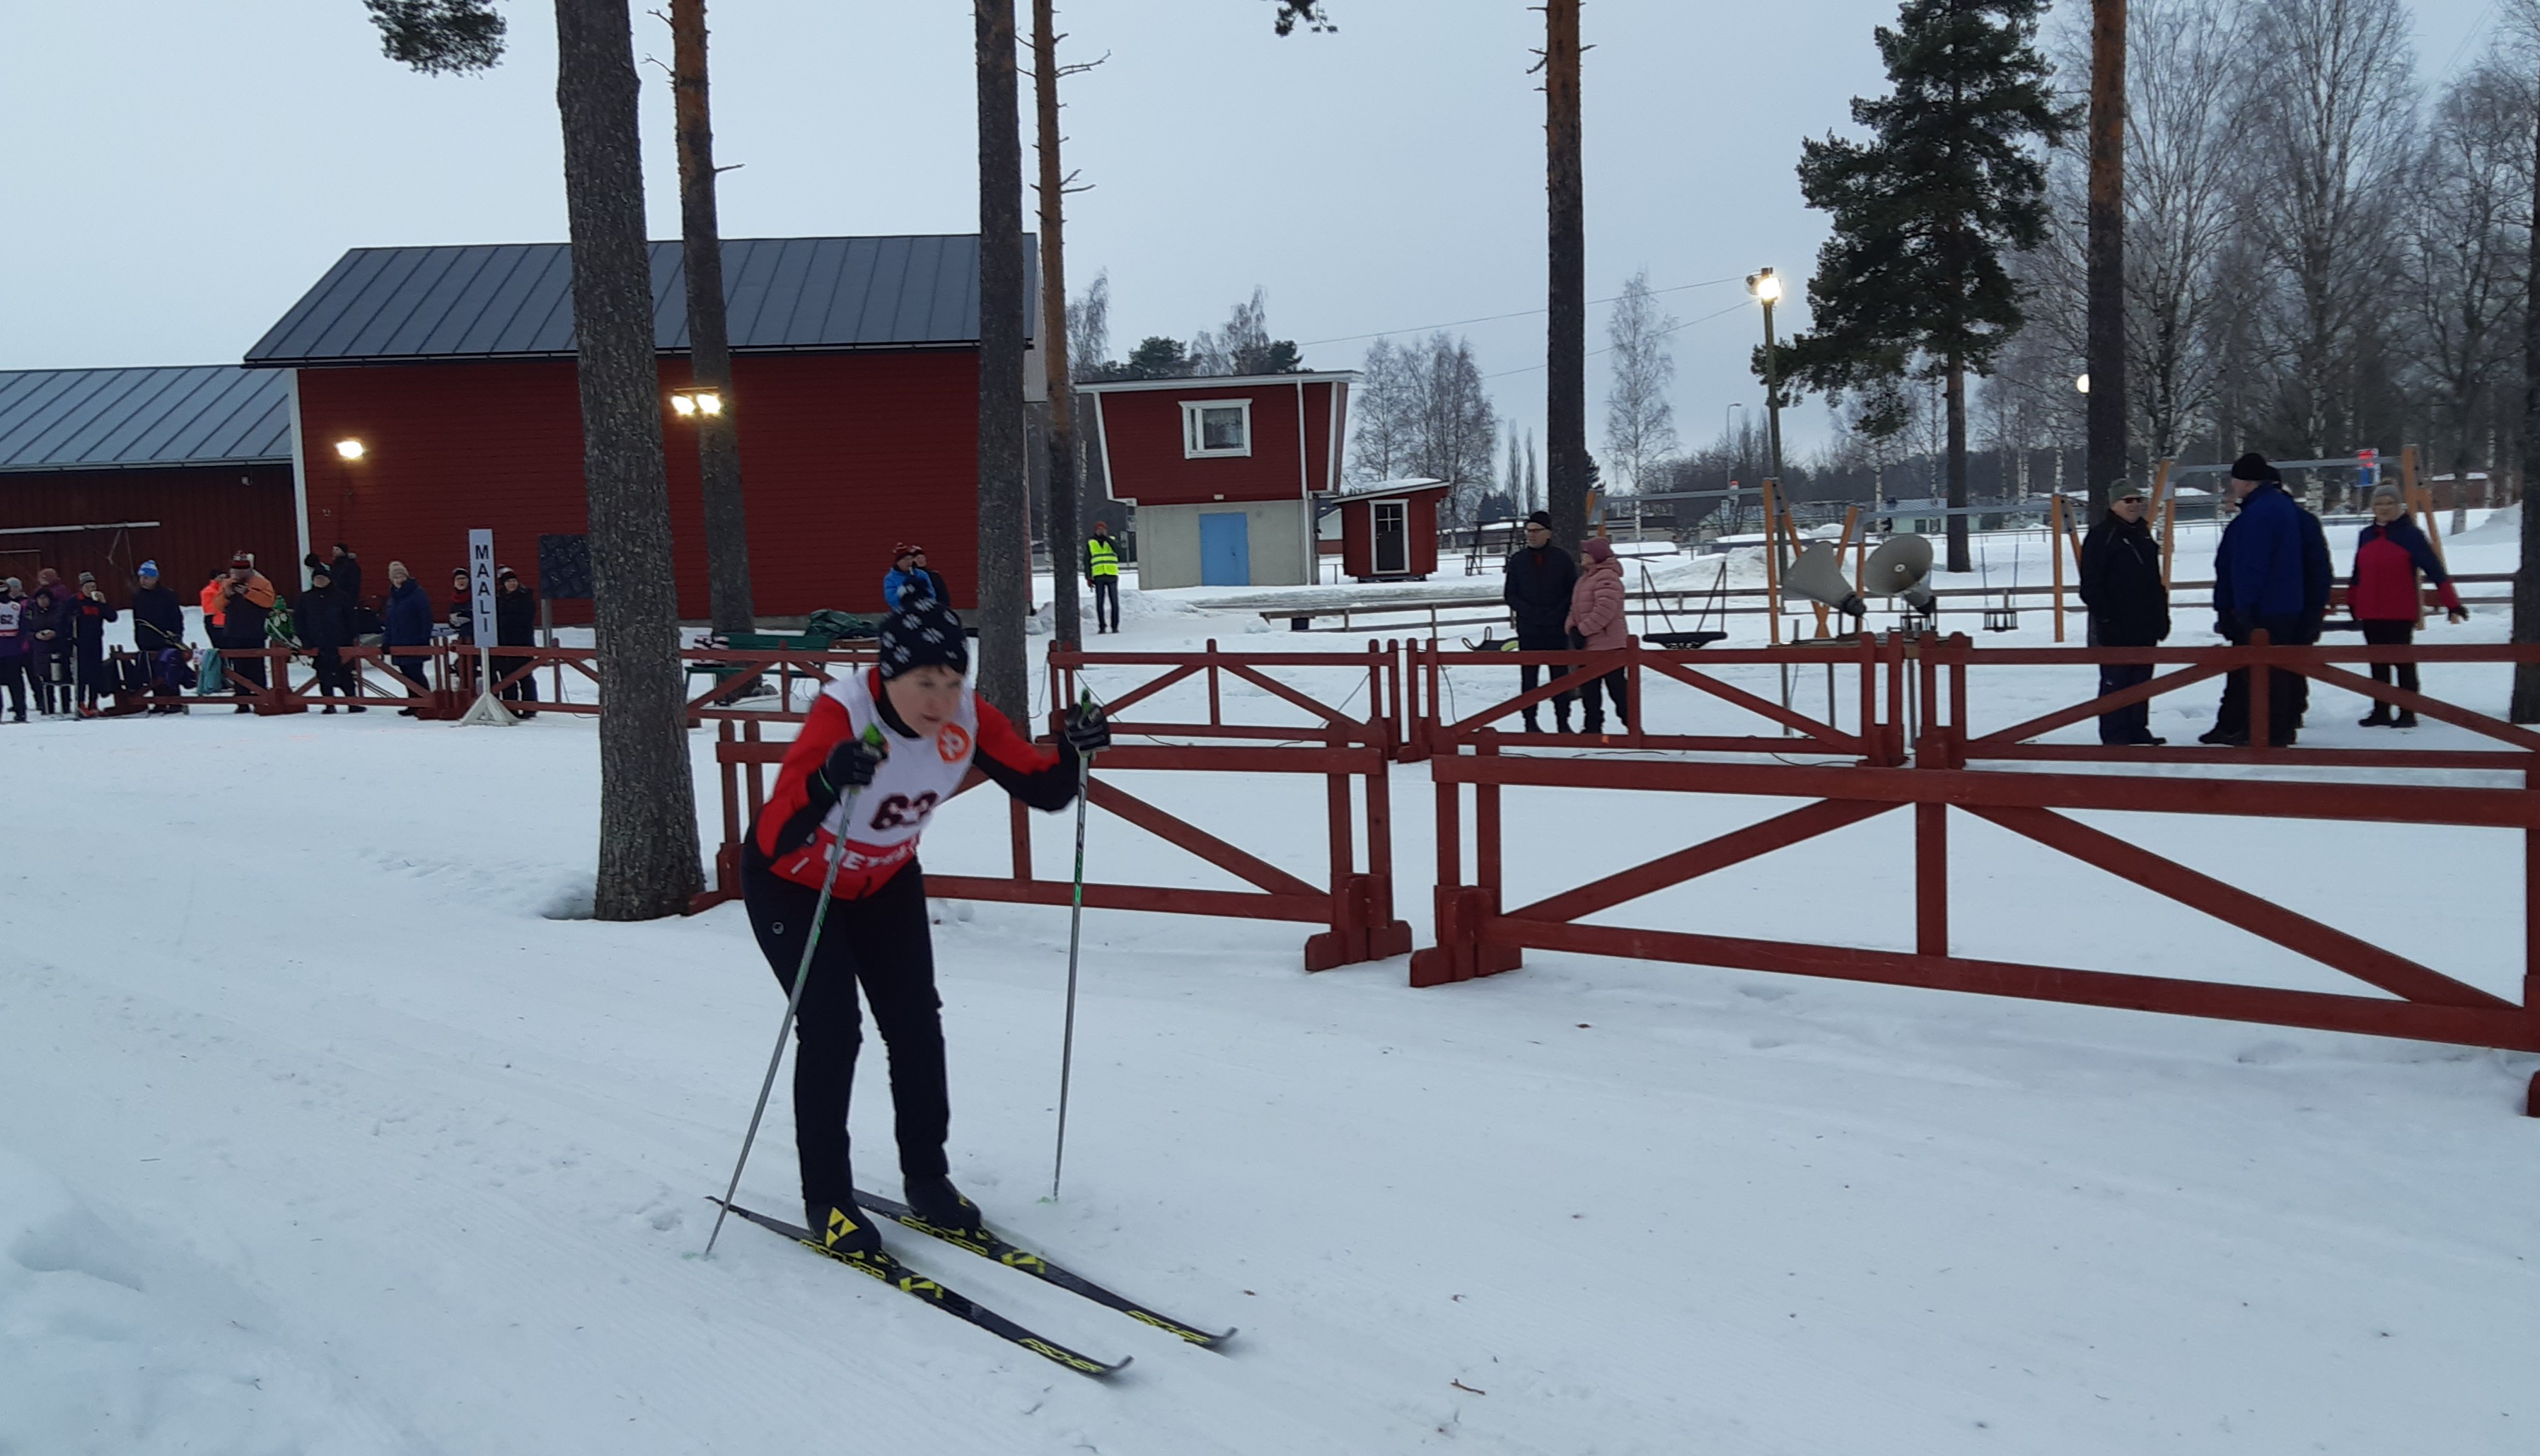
1495, 318
1608, 349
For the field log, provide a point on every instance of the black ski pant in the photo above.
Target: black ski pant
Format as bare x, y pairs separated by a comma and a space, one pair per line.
2125, 724
2283, 685
1528, 675
1106, 591
335, 674
880, 942
2391, 634
13, 677
1615, 685
54, 686
524, 691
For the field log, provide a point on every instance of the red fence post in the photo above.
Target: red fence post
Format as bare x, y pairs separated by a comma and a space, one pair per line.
2262, 717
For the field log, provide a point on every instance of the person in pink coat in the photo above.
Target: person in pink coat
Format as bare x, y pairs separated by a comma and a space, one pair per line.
1596, 621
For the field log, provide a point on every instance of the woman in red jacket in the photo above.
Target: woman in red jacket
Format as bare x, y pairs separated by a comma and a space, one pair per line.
2382, 594
900, 737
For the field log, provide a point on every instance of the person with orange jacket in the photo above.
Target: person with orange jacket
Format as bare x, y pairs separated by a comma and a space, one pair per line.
246, 599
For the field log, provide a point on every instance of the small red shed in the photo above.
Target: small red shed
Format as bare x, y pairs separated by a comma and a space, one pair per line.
1225, 473
1390, 529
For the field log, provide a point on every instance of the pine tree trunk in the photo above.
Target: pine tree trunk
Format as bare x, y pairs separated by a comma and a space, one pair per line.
709, 346
2107, 253
1065, 539
2526, 707
648, 821
1957, 450
1005, 561
1565, 331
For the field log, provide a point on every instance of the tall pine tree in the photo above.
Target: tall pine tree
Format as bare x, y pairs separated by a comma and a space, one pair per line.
1911, 284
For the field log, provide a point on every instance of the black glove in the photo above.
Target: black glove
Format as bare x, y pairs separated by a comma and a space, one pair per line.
2222, 625
849, 765
1086, 730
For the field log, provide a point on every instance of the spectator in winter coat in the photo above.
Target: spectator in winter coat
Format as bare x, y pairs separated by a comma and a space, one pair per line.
158, 625
1535, 583
2128, 607
2261, 583
2384, 594
13, 648
516, 624
408, 623
89, 619
1595, 622
910, 577
325, 623
463, 630
247, 601
346, 570
49, 643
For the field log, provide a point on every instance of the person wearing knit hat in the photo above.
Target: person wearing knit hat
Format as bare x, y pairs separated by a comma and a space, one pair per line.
1536, 582
14, 648
1595, 623
2270, 575
881, 749
909, 576
2384, 594
90, 617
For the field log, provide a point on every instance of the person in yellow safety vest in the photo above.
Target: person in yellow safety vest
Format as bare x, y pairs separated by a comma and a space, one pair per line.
1103, 569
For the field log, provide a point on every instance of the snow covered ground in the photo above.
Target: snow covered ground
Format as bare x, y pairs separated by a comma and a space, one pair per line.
326, 1125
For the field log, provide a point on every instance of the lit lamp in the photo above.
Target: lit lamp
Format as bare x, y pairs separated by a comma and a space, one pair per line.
689, 403
1766, 286
2082, 383
350, 450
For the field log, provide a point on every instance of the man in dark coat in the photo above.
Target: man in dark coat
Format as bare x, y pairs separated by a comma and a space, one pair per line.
516, 624
158, 625
325, 622
1536, 587
90, 617
48, 628
2128, 607
408, 623
247, 601
346, 570
2262, 583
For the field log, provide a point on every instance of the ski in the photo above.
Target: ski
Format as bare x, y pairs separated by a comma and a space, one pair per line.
908, 1282
1040, 1268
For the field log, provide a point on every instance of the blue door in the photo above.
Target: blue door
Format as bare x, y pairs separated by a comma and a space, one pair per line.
1225, 550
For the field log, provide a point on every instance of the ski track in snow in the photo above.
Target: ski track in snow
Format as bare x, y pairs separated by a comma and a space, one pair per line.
328, 1125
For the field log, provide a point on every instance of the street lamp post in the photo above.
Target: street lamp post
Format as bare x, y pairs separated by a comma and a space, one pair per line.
1767, 289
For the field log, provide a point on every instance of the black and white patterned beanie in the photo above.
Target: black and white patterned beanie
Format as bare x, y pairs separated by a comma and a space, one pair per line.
923, 633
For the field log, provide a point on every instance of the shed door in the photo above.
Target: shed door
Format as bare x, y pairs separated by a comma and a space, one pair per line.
1225, 550
1392, 540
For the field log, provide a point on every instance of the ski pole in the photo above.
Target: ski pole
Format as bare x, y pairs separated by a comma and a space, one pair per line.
793, 999
1075, 936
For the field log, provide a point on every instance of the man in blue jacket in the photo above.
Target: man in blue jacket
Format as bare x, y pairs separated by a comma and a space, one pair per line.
2270, 575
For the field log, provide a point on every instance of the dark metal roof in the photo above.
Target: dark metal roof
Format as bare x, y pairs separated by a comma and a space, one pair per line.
515, 300
91, 419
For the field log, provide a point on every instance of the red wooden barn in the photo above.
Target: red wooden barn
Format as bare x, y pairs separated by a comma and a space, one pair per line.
101, 469
433, 392
1390, 529
1225, 472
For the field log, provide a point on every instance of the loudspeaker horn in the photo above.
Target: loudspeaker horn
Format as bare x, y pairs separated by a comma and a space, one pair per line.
1897, 569
1818, 575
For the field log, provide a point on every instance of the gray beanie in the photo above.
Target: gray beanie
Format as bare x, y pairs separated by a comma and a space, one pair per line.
2387, 492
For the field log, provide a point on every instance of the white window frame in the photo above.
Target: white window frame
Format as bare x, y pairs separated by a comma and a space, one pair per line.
1192, 446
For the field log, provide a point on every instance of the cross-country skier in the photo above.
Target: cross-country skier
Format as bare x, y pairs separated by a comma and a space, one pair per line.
932, 729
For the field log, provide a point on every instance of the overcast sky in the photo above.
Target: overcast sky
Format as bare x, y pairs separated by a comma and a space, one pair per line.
187, 170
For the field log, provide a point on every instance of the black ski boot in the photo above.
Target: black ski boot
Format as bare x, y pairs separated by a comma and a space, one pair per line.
939, 1204
845, 1230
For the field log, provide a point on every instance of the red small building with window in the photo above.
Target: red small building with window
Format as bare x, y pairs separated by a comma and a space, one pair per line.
1227, 472
1390, 529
